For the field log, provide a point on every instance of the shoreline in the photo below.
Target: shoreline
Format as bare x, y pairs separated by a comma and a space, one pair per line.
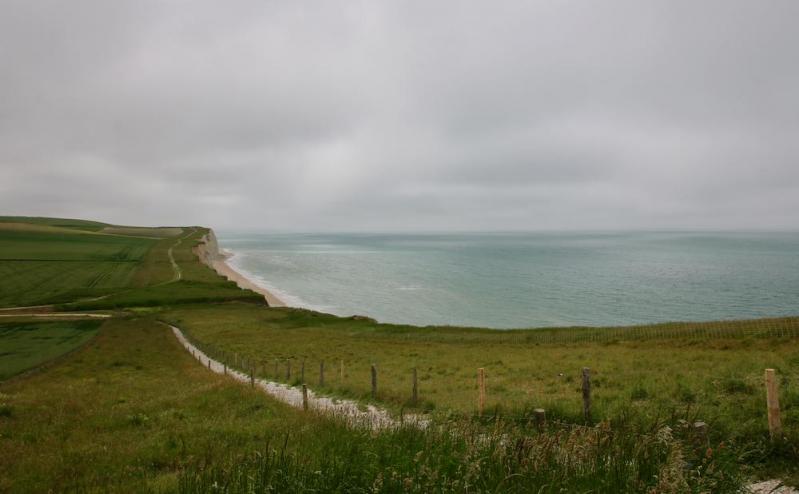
221, 266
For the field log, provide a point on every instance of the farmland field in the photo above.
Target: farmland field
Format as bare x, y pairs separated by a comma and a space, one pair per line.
24, 345
38, 267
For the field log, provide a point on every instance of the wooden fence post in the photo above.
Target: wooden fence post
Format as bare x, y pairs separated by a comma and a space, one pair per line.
302, 371
321, 373
277, 373
540, 418
252, 377
209, 362
773, 404
587, 394
288, 370
415, 391
374, 382
225, 370
481, 396
305, 397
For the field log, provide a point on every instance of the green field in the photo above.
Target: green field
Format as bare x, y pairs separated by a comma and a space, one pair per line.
131, 411
50, 264
57, 222
24, 345
38, 267
715, 375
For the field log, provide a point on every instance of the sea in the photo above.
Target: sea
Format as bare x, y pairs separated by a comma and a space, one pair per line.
522, 280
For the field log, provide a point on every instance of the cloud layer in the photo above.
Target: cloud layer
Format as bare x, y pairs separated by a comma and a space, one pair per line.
402, 115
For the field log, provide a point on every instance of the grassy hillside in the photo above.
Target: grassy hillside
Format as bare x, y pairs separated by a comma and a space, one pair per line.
131, 411
47, 263
677, 371
28, 344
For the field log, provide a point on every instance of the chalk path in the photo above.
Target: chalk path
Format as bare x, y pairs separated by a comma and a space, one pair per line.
350, 411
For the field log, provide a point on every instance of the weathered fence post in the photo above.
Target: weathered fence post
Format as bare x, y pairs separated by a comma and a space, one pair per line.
773, 404
540, 418
700, 429
415, 391
587, 394
225, 369
277, 372
302, 371
481, 394
374, 382
209, 362
322, 373
288, 370
252, 377
305, 397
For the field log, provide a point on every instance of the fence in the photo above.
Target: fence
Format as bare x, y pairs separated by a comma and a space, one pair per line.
769, 328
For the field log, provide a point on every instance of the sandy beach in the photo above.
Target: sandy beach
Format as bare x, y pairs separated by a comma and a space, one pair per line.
209, 253
226, 270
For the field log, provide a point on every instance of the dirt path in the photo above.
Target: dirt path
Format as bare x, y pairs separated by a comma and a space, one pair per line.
175, 265
350, 411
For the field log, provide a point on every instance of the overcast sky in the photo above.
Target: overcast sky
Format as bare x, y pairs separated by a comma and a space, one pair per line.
377, 115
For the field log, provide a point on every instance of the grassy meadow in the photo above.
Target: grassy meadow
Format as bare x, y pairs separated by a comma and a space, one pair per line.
133, 412
679, 372
130, 411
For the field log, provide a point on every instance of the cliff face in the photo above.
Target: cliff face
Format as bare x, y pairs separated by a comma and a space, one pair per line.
208, 249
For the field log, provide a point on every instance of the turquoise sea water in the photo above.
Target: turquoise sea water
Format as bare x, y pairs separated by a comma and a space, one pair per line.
526, 280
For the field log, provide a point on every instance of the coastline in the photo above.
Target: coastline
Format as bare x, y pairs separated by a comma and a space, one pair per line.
209, 253
221, 266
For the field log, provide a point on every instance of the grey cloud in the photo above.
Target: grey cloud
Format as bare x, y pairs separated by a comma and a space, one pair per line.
408, 115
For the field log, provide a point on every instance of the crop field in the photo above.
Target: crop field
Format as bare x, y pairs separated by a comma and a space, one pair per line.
70, 223
158, 232
24, 345
38, 267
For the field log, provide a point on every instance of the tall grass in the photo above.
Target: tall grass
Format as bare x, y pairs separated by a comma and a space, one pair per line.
467, 457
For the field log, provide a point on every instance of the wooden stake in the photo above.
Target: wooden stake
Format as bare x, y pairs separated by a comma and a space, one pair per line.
225, 371
305, 397
276, 365
209, 363
321, 373
415, 391
288, 370
252, 377
540, 418
587, 394
773, 404
374, 382
302, 371
481, 385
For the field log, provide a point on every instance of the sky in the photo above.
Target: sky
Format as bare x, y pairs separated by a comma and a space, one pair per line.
402, 115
